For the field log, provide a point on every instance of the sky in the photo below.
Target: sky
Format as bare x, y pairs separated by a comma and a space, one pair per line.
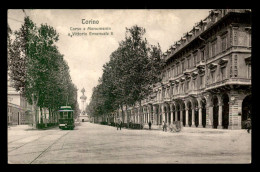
86, 54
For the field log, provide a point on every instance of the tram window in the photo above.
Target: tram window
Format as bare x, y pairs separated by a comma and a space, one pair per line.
69, 114
65, 115
61, 115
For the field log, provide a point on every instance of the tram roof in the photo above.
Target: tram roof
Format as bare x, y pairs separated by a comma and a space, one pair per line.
65, 107
66, 110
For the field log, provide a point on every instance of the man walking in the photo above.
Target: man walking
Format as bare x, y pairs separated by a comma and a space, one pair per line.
150, 124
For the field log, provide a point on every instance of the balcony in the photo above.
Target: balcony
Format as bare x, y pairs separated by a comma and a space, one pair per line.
187, 71
201, 65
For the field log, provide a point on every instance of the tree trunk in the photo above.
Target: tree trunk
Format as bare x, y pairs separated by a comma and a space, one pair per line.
41, 120
140, 114
123, 115
50, 117
34, 113
45, 117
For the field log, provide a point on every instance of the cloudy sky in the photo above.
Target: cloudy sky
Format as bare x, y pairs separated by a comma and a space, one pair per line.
87, 54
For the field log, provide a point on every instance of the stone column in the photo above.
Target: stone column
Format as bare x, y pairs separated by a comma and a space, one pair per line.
154, 115
181, 117
193, 118
200, 117
209, 116
209, 111
220, 115
187, 117
168, 122
235, 109
171, 114
163, 113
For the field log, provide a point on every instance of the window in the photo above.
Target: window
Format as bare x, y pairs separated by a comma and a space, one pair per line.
224, 43
223, 72
187, 85
182, 66
163, 93
249, 71
65, 115
173, 72
201, 80
178, 69
188, 63
213, 76
194, 59
213, 49
202, 55
197, 58
249, 38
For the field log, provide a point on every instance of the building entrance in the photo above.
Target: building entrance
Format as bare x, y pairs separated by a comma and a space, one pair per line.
215, 112
246, 110
183, 114
190, 114
196, 110
225, 111
203, 109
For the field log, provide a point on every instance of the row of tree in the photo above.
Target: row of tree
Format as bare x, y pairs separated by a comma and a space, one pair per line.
129, 75
38, 70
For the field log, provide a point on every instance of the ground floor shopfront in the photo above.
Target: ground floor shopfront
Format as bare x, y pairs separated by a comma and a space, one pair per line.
223, 110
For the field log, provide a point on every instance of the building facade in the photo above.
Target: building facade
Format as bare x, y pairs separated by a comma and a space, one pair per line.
19, 111
206, 81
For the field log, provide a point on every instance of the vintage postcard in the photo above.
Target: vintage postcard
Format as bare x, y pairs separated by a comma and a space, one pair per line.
132, 86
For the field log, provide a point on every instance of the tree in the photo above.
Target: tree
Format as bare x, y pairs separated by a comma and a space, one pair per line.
38, 70
128, 76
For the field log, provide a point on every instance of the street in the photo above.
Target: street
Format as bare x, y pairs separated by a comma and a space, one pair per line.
94, 143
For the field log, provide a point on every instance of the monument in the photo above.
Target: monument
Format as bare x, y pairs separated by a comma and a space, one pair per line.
83, 117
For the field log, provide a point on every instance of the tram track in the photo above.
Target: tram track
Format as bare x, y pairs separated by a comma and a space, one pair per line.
27, 137
40, 137
49, 147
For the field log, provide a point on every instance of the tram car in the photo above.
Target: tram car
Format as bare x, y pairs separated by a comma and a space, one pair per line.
66, 119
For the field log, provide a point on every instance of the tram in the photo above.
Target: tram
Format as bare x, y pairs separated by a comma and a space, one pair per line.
66, 119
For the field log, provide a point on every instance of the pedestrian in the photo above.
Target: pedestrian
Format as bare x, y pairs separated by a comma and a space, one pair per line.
150, 124
121, 123
248, 124
117, 124
164, 126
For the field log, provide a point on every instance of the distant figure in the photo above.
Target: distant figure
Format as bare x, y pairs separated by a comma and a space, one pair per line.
150, 124
121, 124
248, 124
164, 126
117, 124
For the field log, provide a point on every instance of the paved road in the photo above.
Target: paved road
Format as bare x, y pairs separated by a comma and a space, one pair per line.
93, 143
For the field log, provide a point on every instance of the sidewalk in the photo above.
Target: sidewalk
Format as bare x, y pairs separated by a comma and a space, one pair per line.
197, 130
29, 127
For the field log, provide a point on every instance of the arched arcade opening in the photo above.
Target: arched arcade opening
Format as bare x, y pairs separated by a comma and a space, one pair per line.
246, 110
